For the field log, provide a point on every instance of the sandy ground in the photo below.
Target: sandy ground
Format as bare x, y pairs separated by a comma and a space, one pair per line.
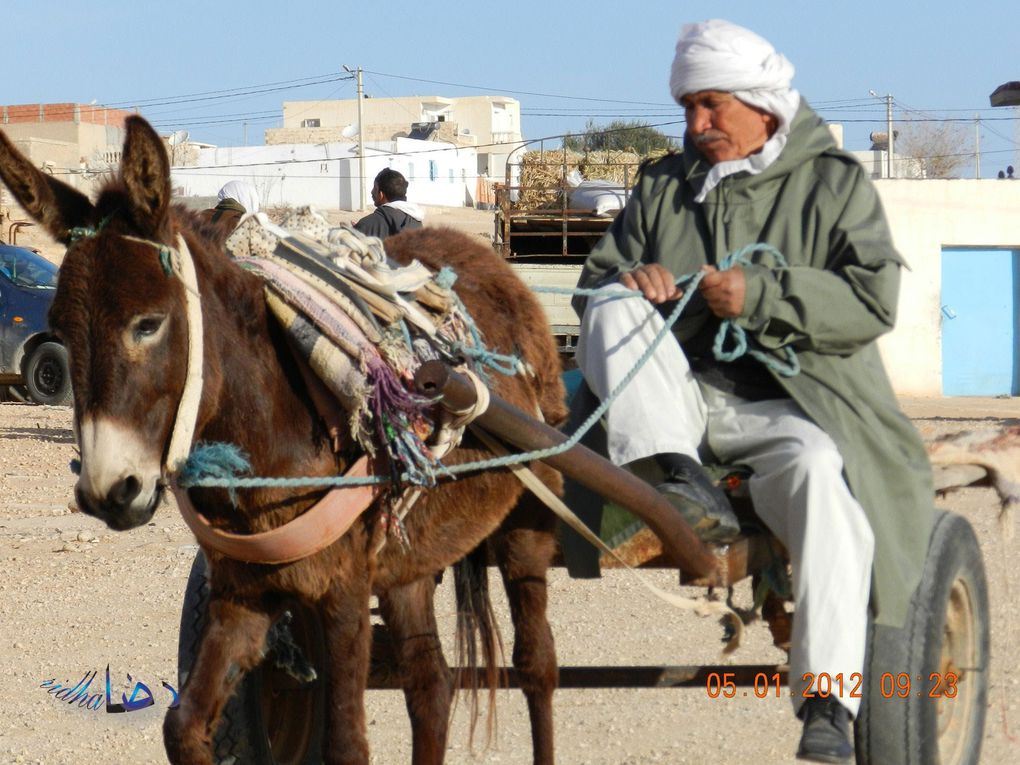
76, 598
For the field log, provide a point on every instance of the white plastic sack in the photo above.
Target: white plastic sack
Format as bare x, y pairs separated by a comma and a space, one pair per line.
601, 197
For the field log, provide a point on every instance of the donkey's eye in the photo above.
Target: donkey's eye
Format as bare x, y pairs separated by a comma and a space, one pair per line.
147, 326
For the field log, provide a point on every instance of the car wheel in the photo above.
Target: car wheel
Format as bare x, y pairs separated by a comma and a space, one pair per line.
47, 376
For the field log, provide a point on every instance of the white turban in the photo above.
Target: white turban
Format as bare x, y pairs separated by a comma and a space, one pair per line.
241, 192
719, 55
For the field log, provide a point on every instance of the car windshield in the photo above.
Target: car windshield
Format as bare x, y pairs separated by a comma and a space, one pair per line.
26, 269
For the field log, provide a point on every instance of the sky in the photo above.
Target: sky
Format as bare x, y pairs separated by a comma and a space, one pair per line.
222, 70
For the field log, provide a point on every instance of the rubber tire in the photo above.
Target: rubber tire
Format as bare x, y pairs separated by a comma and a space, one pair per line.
905, 731
242, 735
47, 375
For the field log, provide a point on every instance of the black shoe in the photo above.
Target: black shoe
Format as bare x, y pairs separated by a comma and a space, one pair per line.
826, 736
701, 503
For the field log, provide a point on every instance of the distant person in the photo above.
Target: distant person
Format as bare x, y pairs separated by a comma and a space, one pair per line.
393, 213
236, 199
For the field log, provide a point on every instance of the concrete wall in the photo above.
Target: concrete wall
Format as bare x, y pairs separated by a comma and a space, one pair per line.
926, 216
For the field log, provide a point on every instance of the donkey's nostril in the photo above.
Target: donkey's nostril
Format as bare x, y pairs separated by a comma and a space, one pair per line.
124, 491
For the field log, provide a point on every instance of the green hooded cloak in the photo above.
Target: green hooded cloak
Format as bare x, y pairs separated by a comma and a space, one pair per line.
835, 296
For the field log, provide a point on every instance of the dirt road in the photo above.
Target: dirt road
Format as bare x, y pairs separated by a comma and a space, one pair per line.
75, 598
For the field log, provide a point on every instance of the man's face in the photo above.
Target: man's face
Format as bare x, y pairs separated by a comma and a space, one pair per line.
377, 197
724, 127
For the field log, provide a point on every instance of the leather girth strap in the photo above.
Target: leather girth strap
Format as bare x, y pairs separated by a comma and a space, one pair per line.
316, 528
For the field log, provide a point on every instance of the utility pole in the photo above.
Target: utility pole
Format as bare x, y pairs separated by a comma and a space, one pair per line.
892, 139
890, 147
977, 145
361, 136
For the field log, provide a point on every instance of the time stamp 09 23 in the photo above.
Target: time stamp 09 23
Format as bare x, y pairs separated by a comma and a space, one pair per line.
891, 685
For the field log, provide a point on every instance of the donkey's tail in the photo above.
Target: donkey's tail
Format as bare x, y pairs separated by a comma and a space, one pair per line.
477, 629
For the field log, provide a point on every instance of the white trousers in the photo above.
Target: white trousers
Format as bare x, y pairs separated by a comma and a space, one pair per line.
797, 489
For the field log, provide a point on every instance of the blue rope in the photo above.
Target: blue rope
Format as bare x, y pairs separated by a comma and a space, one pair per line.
690, 281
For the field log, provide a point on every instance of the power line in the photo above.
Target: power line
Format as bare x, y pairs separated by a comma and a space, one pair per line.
249, 90
518, 92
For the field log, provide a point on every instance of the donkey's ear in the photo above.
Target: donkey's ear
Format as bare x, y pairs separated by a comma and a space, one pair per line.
145, 168
54, 204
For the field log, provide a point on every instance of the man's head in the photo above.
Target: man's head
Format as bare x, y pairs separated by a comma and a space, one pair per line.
389, 186
734, 87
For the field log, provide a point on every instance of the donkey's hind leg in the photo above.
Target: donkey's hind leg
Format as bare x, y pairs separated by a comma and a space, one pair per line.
425, 675
233, 643
524, 548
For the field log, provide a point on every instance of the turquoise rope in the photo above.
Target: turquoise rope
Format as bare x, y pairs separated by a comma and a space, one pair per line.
691, 281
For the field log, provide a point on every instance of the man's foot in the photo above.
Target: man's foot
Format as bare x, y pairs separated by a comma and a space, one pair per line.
701, 503
826, 736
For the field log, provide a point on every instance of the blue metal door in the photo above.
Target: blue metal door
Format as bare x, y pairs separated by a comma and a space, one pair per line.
979, 322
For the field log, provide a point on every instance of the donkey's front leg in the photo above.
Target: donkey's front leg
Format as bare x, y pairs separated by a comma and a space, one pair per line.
428, 683
233, 643
345, 620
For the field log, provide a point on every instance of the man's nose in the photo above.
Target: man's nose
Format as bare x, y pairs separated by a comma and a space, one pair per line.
699, 119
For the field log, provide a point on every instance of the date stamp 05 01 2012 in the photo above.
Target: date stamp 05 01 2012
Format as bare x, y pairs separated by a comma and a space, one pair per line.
891, 685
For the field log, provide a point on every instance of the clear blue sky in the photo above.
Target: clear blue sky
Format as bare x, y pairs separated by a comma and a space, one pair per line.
565, 61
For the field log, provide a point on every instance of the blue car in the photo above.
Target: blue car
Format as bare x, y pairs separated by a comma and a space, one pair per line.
32, 361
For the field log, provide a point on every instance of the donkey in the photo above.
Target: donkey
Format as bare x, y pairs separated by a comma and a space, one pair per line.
123, 321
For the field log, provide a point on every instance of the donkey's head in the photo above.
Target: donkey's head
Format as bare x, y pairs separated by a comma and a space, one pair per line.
121, 314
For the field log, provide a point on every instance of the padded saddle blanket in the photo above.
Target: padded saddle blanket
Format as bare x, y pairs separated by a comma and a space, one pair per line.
362, 323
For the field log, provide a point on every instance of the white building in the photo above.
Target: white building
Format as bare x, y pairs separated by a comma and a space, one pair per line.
327, 175
490, 123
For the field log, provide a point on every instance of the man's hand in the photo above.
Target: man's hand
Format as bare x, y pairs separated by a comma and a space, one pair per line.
657, 284
724, 291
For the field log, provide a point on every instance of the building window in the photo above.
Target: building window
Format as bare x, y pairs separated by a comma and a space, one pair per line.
433, 170
311, 123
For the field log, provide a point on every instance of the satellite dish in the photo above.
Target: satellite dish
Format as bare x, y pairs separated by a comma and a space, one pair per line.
178, 137
350, 131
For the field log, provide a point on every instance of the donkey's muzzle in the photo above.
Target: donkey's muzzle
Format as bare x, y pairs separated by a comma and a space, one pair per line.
120, 509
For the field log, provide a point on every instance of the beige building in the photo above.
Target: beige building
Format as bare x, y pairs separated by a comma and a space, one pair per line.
76, 142
491, 124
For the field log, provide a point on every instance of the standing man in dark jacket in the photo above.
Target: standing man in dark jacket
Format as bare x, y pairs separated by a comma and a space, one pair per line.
840, 475
393, 213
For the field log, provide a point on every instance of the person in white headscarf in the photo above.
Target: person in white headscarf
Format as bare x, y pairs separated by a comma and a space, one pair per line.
236, 198
840, 475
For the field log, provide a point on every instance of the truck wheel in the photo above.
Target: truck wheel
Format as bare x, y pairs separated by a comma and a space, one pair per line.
47, 376
272, 718
926, 684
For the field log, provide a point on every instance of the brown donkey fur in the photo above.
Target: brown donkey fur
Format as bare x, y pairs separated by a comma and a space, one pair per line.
123, 322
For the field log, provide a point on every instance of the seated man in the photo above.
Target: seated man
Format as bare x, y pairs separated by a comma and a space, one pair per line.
840, 475
393, 213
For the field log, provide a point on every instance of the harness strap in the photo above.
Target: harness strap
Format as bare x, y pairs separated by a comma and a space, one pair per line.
186, 421
312, 531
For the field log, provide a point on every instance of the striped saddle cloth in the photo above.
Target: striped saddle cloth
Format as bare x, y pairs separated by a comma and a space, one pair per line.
362, 323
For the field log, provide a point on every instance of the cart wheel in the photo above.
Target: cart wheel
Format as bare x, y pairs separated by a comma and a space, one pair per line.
913, 713
272, 719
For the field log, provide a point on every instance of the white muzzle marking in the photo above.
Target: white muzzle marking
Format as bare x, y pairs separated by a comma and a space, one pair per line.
111, 452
